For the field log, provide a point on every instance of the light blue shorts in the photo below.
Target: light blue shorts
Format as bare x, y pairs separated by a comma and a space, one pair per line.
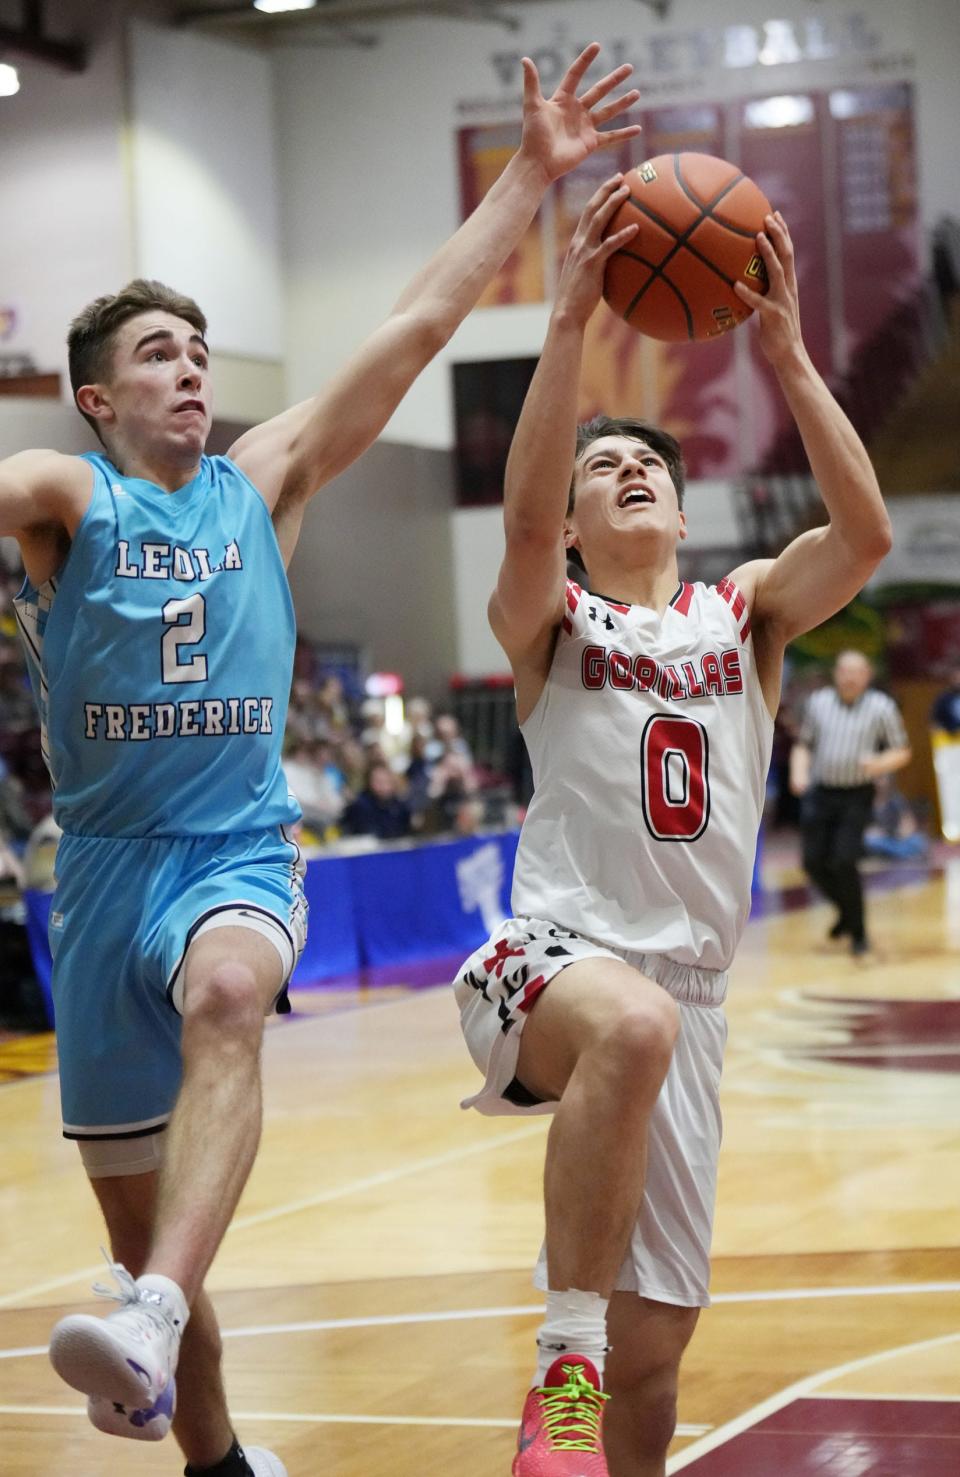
122, 918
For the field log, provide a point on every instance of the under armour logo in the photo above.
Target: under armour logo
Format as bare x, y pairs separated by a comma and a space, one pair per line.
606, 620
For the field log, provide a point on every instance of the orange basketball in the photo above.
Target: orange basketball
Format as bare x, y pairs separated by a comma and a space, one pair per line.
698, 219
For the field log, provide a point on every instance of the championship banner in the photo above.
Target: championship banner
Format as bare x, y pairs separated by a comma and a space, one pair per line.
839, 164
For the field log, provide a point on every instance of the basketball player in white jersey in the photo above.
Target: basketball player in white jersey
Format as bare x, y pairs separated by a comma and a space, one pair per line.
203, 921
647, 706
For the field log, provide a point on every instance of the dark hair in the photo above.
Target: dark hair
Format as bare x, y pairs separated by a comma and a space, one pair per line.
91, 335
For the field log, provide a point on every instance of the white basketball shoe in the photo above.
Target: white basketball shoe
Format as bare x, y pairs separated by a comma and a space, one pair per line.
129, 1357
140, 1423
154, 1423
263, 1463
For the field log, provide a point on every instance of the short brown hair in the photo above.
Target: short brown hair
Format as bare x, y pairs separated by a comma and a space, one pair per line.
90, 340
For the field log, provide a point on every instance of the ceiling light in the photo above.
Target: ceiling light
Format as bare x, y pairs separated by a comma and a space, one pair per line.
275, 7
9, 81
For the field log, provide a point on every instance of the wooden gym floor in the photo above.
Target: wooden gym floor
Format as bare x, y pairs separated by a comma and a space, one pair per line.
374, 1289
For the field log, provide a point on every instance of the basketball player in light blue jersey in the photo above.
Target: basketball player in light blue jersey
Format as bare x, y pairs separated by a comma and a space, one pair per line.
160, 631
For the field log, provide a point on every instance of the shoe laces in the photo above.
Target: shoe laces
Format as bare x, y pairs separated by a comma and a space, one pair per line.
130, 1294
571, 1412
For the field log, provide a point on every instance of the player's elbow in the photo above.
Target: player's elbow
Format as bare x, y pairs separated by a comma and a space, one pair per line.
868, 543
881, 538
426, 329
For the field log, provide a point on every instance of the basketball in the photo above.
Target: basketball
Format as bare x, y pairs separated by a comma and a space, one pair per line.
698, 218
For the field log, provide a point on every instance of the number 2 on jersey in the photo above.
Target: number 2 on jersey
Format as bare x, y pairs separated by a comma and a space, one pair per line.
675, 778
184, 633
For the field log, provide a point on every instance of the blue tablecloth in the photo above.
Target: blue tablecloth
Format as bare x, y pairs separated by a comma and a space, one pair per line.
386, 906
399, 903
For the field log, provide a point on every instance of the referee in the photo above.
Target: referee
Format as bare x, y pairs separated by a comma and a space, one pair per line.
850, 734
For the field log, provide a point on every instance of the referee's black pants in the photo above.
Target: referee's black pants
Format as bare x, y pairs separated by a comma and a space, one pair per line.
832, 824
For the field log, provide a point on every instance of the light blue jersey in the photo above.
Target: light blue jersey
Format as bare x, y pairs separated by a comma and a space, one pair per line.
161, 656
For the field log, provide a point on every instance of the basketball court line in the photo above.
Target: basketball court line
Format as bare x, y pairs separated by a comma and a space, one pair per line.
848, 1395
532, 1310
720, 1435
324, 1419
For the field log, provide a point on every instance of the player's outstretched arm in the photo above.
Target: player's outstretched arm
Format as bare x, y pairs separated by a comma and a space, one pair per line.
819, 572
296, 453
527, 604
43, 496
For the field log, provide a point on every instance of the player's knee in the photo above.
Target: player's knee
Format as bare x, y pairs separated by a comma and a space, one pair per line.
227, 996
643, 1037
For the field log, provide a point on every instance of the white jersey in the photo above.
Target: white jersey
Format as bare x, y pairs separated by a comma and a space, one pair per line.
650, 746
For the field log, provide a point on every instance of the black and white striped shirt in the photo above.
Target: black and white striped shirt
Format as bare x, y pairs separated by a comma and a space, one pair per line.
838, 734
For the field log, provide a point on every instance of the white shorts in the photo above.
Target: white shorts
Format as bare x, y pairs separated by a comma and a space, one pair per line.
669, 1254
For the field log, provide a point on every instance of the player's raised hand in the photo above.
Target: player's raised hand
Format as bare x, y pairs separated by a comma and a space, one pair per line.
778, 310
581, 279
559, 132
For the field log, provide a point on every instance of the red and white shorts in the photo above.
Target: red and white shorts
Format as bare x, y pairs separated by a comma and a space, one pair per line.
669, 1255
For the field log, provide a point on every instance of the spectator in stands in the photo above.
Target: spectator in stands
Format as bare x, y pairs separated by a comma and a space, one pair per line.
417, 723
417, 777
468, 816
353, 765
453, 781
321, 800
326, 756
447, 730
420, 717
377, 739
333, 708
894, 831
302, 712
379, 810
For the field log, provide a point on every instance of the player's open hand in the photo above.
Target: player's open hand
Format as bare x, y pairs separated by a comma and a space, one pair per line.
559, 132
581, 280
779, 310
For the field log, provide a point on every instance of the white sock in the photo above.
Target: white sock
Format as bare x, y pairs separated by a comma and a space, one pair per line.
576, 1321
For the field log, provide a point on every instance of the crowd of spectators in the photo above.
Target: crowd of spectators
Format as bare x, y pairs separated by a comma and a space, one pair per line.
379, 767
